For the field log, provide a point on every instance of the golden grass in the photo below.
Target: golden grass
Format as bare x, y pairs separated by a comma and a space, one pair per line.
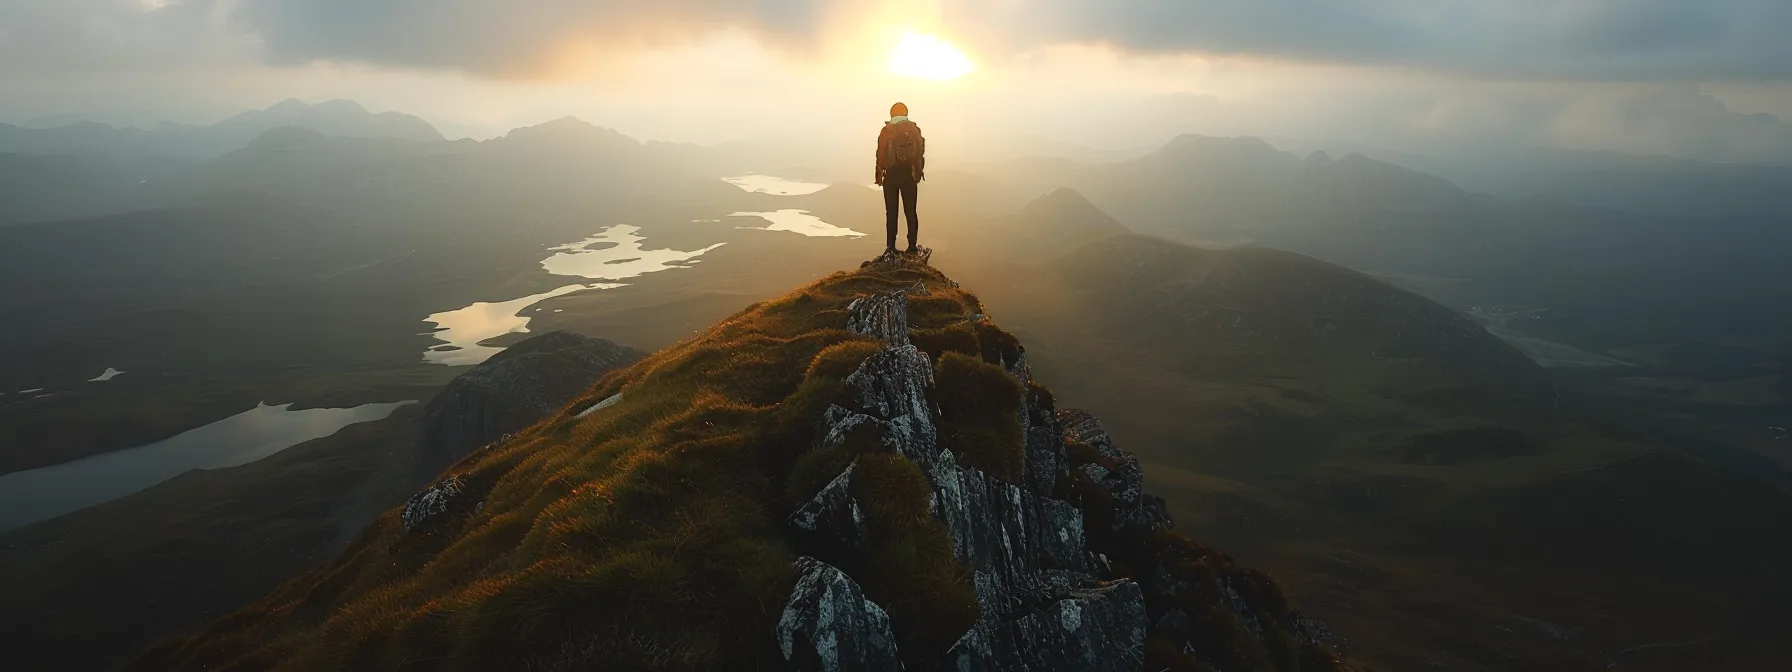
649, 534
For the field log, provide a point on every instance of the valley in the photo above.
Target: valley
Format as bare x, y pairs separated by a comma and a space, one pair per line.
1453, 458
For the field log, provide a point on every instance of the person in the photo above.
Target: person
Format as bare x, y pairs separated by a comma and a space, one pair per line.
901, 166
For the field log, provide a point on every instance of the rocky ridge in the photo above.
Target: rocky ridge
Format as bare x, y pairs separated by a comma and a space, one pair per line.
859, 475
1075, 567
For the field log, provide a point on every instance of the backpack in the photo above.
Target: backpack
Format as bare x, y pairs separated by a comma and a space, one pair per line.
905, 145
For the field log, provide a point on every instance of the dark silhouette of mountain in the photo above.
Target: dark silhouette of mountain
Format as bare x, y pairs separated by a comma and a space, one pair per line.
860, 475
569, 135
1607, 180
1417, 478
1597, 271
341, 118
1065, 216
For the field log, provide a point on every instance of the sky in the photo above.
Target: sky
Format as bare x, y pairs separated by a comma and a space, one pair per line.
1705, 79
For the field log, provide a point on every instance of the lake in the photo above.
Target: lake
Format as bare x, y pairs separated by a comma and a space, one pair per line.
39, 494
776, 186
614, 253
800, 222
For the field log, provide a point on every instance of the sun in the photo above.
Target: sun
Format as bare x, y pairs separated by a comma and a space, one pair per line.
928, 57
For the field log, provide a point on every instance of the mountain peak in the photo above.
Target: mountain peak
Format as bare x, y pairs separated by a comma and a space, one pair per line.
340, 106
861, 474
1065, 208
1188, 141
290, 105
569, 131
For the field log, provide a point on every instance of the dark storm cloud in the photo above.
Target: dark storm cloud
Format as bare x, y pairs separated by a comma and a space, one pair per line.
1523, 39
1567, 39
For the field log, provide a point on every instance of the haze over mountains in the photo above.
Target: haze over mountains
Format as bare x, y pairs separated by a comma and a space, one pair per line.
341, 118
1443, 419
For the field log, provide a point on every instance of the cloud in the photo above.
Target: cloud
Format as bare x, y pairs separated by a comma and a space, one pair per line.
1674, 121
509, 37
1607, 40
1549, 39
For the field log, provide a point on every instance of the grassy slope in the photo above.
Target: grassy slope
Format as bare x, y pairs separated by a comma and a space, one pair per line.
651, 534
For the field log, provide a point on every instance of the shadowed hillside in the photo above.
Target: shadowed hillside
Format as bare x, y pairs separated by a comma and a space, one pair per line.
858, 475
1412, 477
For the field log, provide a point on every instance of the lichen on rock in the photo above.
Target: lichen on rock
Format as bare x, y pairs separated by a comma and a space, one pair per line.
431, 502
1051, 594
829, 626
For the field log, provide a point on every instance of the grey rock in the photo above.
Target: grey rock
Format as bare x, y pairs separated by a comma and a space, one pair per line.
1099, 628
431, 502
609, 401
1230, 597
1127, 480
1095, 629
1002, 530
1041, 606
511, 391
880, 316
833, 517
897, 258
892, 389
1311, 631
828, 625
1046, 463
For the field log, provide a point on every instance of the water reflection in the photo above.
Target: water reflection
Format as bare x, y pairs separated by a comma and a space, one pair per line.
615, 254
776, 186
108, 375
799, 221
464, 328
30, 496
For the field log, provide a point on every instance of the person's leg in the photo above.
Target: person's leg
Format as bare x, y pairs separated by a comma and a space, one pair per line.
910, 192
892, 193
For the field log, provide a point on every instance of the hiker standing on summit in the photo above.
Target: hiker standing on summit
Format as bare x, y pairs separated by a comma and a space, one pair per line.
901, 165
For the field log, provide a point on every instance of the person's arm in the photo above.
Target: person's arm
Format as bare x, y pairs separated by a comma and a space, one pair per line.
877, 174
921, 161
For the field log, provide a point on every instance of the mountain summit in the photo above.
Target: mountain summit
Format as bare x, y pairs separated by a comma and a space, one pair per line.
860, 475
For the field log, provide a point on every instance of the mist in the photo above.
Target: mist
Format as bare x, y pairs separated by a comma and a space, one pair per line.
1235, 334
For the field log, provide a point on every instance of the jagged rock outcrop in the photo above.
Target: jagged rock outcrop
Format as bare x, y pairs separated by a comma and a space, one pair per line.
1035, 579
431, 502
889, 397
1049, 596
1116, 471
1110, 615
880, 316
833, 517
514, 389
829, 626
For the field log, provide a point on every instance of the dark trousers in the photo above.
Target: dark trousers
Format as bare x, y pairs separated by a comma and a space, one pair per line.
900, 187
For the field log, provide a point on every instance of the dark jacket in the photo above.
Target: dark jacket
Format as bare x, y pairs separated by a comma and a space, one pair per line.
883, 148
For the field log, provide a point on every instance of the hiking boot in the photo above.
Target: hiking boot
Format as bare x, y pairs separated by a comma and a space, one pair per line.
911, 249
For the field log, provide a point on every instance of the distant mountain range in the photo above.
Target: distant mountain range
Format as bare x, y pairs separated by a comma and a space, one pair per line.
342, 118
1585, 263
1389, 457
